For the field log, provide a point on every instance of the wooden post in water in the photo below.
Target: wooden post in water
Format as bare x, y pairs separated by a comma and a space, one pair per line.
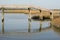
40, 21
29, 20
2, 20
51, 15
41, 16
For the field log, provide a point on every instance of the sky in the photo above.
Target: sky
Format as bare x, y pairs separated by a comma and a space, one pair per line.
49, 4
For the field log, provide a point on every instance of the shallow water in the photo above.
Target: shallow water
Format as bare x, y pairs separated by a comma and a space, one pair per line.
16, 28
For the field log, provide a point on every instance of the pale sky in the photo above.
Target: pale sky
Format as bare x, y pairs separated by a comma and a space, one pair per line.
50, 4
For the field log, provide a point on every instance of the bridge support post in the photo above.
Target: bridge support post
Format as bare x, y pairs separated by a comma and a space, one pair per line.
29, 20
51, 15
2, 20
41, 15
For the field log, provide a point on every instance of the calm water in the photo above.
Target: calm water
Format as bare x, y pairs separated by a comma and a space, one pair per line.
16, 28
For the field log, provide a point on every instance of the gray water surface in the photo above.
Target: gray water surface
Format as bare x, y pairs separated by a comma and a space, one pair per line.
16, 28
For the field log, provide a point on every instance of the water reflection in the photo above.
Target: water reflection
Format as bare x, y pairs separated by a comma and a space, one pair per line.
56, 30
18, 23
50, 27
29, 25
41, 27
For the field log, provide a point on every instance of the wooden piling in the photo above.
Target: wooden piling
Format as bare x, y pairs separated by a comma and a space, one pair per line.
41, 15
2, 20
51, 15
29, 20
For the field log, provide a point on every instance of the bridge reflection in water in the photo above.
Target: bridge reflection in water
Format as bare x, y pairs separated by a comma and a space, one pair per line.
37, 30
41, 27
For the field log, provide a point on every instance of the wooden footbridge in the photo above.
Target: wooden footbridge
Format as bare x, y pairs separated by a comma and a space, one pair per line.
26, 10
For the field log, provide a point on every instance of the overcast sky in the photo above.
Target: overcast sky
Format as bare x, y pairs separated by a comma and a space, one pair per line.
50, 4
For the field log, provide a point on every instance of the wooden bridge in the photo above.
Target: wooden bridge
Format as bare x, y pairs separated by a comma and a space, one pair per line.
26, 10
